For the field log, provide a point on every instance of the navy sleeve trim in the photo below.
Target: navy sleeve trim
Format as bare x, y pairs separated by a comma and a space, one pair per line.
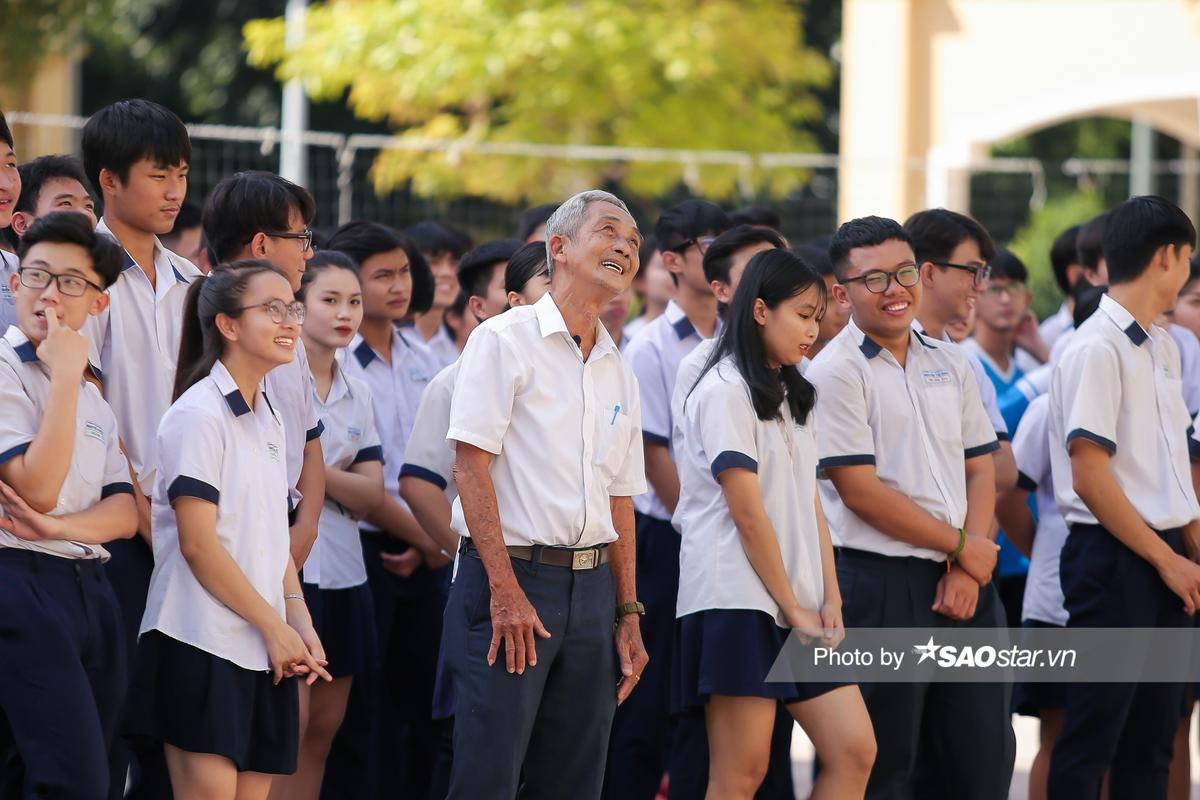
315, 431
372, 453
121, 487
1002, 436
731, 459
982, 450
13, 452
183, 486
1025, 482
654, 438
414, 471
1080, 433
845, 461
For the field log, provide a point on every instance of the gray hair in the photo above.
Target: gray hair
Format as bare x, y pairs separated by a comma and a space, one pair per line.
565, 221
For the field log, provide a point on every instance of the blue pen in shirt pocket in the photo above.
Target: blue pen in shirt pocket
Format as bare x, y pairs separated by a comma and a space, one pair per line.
616, 411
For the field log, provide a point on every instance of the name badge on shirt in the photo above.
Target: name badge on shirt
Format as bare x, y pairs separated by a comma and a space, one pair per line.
417, 375
94, 431
937, 376
273, 451
355, 433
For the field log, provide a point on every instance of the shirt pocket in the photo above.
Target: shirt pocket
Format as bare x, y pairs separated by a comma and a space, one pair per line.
943, 412
91, 452
611, 443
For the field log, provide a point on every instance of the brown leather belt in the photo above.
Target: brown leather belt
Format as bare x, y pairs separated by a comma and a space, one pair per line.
586, 558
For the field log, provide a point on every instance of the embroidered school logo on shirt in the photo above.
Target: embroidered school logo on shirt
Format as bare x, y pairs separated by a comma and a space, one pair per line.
273, 451
937, 376
94, 431
355, 433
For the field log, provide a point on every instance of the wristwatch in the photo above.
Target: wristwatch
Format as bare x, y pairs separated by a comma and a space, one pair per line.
631, 608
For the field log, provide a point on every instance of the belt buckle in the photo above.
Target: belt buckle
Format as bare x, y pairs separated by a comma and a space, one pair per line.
583, 559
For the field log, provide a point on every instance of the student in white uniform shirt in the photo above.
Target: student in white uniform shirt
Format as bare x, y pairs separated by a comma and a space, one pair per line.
136, 154
49, 184
334, 578
65, 492
10, 191
748, 479
1064, 263
395, 752
259, 215
1122, 480
905, 441
643, 744
442, 247
225, 616
543, 614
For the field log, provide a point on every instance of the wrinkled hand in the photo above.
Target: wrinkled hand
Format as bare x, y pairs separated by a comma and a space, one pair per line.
516, 624
632, 654
403, 564
957, 595
22, 521
63, 351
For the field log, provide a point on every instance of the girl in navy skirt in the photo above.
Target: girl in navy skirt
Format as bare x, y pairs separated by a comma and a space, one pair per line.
756, 559
226, 626
335, 579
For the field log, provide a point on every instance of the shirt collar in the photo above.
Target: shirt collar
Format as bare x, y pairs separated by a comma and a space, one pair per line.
682, 326
229, 389
550, 321
365, 354
20, 343
1121, 317
160, 253
340, 386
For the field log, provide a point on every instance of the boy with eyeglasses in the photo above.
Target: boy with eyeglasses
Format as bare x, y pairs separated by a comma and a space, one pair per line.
65, 495
904, 439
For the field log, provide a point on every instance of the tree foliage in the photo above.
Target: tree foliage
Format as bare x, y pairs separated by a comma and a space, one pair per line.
720, 74
1032, 243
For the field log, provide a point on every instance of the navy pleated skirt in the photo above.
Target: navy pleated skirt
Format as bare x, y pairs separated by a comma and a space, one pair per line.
730, 652
201, 703
345, 621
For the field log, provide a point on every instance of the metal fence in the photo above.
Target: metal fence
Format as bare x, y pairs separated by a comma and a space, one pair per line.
1003, 191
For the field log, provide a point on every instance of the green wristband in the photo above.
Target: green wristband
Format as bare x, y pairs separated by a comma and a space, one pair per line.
962, 542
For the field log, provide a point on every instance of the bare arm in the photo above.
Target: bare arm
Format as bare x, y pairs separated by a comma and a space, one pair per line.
1012, 509
38, 474
432, 510
399, 522
1005, 466
981, 493
631, 652
311, 484
358, 489
662, 474
114, 517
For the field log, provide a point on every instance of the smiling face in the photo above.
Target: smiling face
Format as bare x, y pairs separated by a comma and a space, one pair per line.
289, 255
57, 194
888, 314
253, 332
603, 253
56, 258
444, 267
334, 305
949, 290
387, 285
149, 200
10, 183
789, 329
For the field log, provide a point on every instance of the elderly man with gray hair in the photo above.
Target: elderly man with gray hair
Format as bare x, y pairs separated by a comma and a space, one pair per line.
542, 633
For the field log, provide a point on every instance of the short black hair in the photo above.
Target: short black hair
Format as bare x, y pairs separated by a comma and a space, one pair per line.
1007, 266
474, 269
1089, 242
1193, 272
71, 227
434, 239
862, 232
361, 240
534, 218
1063, 255
1087, 300
35, 173
525, 265
936, 232
816, 257
719, 256
247, 203
756, 215
1137, 229
6, 134
688, 220
119, 135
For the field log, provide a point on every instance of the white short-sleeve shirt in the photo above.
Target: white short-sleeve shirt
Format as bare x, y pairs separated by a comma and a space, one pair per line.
98, 468
722, 431
396, 390
134, 344
566, 433
654, 356
217, 448
441, 345
1121, 387
348, 438
1031, 450
429, 456
9, 264
1189, 363
987, 389
916, 424
1054, 325
292, 392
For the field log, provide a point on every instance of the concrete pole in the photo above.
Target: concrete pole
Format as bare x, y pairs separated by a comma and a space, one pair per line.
293, 157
